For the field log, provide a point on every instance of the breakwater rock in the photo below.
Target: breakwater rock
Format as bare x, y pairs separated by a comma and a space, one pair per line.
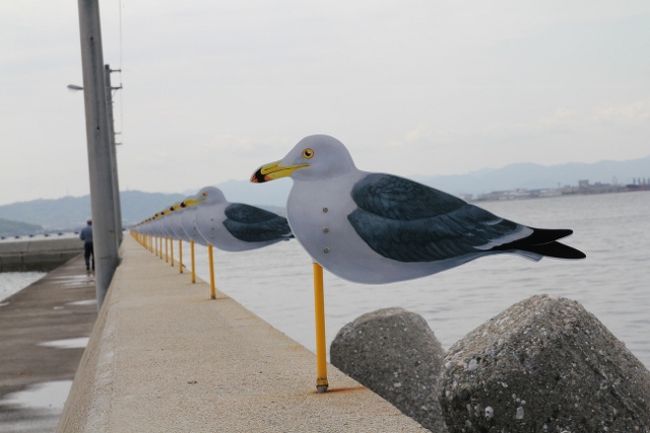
394, 353
544, 365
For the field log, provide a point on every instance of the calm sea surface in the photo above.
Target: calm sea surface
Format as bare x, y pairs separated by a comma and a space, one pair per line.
613, 282
11, 282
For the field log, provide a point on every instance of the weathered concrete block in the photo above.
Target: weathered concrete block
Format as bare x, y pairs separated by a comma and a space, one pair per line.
394, 353
544, 365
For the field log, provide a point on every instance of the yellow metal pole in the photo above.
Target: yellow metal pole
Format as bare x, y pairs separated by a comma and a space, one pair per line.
160, 247
171, 251
180, 256
319, 310
213, 288
166, 250
155, 243
193, 266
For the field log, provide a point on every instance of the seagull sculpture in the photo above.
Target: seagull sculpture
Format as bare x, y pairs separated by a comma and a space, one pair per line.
379, 228
232, 226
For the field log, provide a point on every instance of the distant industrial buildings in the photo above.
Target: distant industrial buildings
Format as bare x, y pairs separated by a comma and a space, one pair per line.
583, 187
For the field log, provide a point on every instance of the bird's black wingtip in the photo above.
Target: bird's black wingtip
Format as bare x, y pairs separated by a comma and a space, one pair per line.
555, 249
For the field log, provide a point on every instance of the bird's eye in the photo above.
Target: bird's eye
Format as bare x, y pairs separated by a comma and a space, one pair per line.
308, 153
205, 194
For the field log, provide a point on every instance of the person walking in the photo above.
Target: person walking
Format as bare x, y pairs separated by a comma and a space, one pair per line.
86, 235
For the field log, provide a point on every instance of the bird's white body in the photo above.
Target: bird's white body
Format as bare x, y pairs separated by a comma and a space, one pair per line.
188, 225
377, 228
166, 227
234, 226
332, 241
175, 224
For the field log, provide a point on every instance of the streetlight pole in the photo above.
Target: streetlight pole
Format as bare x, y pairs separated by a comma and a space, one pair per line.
102, 199
111, 135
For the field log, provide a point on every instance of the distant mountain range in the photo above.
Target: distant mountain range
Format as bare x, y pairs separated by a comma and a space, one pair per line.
10, 228
534, 176
71, 212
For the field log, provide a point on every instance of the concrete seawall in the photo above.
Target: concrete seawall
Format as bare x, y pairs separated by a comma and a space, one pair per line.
164, 357
37, 255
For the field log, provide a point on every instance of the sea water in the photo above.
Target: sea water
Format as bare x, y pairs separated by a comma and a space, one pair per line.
12, 282
613, 282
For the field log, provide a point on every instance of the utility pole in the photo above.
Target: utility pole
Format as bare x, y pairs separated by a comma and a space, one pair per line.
112, 143
102, 199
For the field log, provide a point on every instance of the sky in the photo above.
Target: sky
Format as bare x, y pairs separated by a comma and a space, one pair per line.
213, 89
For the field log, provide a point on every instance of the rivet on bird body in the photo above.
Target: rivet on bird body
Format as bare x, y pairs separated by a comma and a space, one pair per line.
326, 230
326, 250
325, 210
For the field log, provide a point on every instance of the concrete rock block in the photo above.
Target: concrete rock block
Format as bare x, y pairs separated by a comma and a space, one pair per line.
544, 365
394, 353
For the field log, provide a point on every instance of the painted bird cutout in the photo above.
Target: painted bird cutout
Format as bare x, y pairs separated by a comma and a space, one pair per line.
231, 226
379, 228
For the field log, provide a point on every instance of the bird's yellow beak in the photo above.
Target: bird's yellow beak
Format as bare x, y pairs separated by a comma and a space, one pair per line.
275, 170
189, 202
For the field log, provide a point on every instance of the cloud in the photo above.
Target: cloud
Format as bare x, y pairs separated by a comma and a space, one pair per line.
636, 113
419, 87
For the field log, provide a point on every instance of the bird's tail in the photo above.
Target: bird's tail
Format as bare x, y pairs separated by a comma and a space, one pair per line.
544, 243
555, 249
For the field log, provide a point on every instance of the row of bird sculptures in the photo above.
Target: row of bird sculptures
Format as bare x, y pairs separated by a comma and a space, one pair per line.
365, 227
209, 219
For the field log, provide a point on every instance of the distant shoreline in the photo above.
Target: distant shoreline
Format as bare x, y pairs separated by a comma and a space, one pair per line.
562, 194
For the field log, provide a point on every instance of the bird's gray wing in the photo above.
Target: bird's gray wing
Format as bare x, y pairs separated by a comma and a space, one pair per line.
410, 222
252, 224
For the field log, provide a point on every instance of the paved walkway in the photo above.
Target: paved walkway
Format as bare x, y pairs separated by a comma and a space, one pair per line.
165, 358
43, 312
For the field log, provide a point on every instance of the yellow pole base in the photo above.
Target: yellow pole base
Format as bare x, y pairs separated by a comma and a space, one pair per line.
321, 385
319, 314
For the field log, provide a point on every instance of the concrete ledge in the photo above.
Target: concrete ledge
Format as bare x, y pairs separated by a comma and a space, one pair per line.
164, 358
37, 255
